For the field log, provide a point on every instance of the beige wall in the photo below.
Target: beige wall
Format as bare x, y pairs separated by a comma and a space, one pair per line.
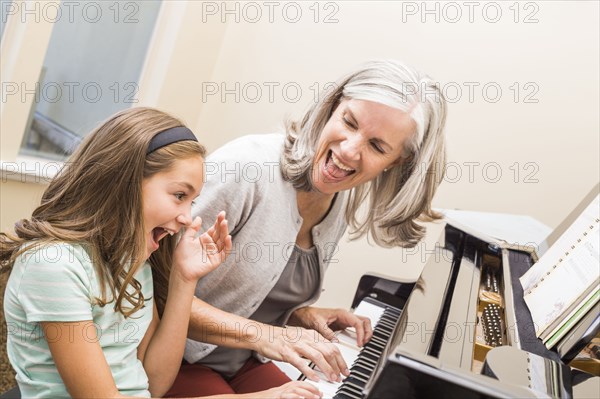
553, 142
18, 200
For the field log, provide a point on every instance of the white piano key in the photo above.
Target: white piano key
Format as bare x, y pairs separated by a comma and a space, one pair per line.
349, 353
292, 372
347, 337
327, 388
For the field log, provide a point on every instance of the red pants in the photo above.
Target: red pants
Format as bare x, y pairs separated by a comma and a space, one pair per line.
199, 380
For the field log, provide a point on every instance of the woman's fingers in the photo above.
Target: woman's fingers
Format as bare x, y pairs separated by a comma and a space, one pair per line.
302, 365
325, 331
327, 358
368, 329
336, 356
361, 325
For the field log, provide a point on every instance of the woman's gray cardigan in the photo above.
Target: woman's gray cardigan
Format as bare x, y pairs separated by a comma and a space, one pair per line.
244, 179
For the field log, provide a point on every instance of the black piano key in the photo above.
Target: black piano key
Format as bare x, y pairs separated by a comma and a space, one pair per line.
344, 396
388, 317
366, 363
347, 394
368, 355
384, 333
375, 344
386, 326
362, 370
382, 336
352, 381
392, 315
372, 351
382, 330
350, 389
386, 323
373, 357
353, 386
385, 330
382, 327
359, 376
394, 311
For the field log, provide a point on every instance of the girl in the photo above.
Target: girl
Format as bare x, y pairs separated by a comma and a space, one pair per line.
86, 302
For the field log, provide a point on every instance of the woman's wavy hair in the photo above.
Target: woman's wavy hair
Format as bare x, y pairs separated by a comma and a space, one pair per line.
96, 201
402, 196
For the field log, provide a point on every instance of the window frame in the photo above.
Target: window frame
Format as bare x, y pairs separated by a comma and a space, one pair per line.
22, 53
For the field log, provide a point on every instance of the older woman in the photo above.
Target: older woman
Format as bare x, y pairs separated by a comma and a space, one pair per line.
377, 139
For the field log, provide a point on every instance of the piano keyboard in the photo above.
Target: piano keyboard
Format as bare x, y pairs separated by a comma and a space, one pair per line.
361, 361
368, 357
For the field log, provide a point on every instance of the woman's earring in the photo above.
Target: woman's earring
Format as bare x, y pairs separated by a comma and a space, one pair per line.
385, 170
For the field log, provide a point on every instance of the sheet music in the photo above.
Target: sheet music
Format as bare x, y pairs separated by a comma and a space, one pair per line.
587, 218
564, 285
567, 274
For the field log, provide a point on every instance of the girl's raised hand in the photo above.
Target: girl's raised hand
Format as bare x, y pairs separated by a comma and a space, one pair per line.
194, 256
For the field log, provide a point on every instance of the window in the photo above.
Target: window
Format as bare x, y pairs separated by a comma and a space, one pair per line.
90, 71
63, 74
5, 9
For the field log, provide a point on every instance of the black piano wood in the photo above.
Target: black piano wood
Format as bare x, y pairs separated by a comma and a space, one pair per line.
393, 293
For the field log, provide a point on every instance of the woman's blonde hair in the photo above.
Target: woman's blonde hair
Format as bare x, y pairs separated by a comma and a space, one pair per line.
96, 200
401, 196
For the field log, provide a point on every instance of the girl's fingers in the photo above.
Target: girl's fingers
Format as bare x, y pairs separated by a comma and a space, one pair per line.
208, 244
223, 232
227, 245
220, 234
214, 230
194, 228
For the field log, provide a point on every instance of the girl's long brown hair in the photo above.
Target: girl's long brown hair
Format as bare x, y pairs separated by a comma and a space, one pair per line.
96, 200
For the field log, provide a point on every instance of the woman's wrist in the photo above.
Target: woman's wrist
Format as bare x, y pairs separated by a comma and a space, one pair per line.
261, 337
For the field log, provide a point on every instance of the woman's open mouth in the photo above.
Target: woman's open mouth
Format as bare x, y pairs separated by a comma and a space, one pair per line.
334, 169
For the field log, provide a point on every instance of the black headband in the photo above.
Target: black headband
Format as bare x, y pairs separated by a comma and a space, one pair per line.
170, 136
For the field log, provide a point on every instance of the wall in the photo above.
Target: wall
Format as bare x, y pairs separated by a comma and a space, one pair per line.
536, 154
544, 143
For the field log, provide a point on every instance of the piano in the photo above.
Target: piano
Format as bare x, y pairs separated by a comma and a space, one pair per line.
461, 330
